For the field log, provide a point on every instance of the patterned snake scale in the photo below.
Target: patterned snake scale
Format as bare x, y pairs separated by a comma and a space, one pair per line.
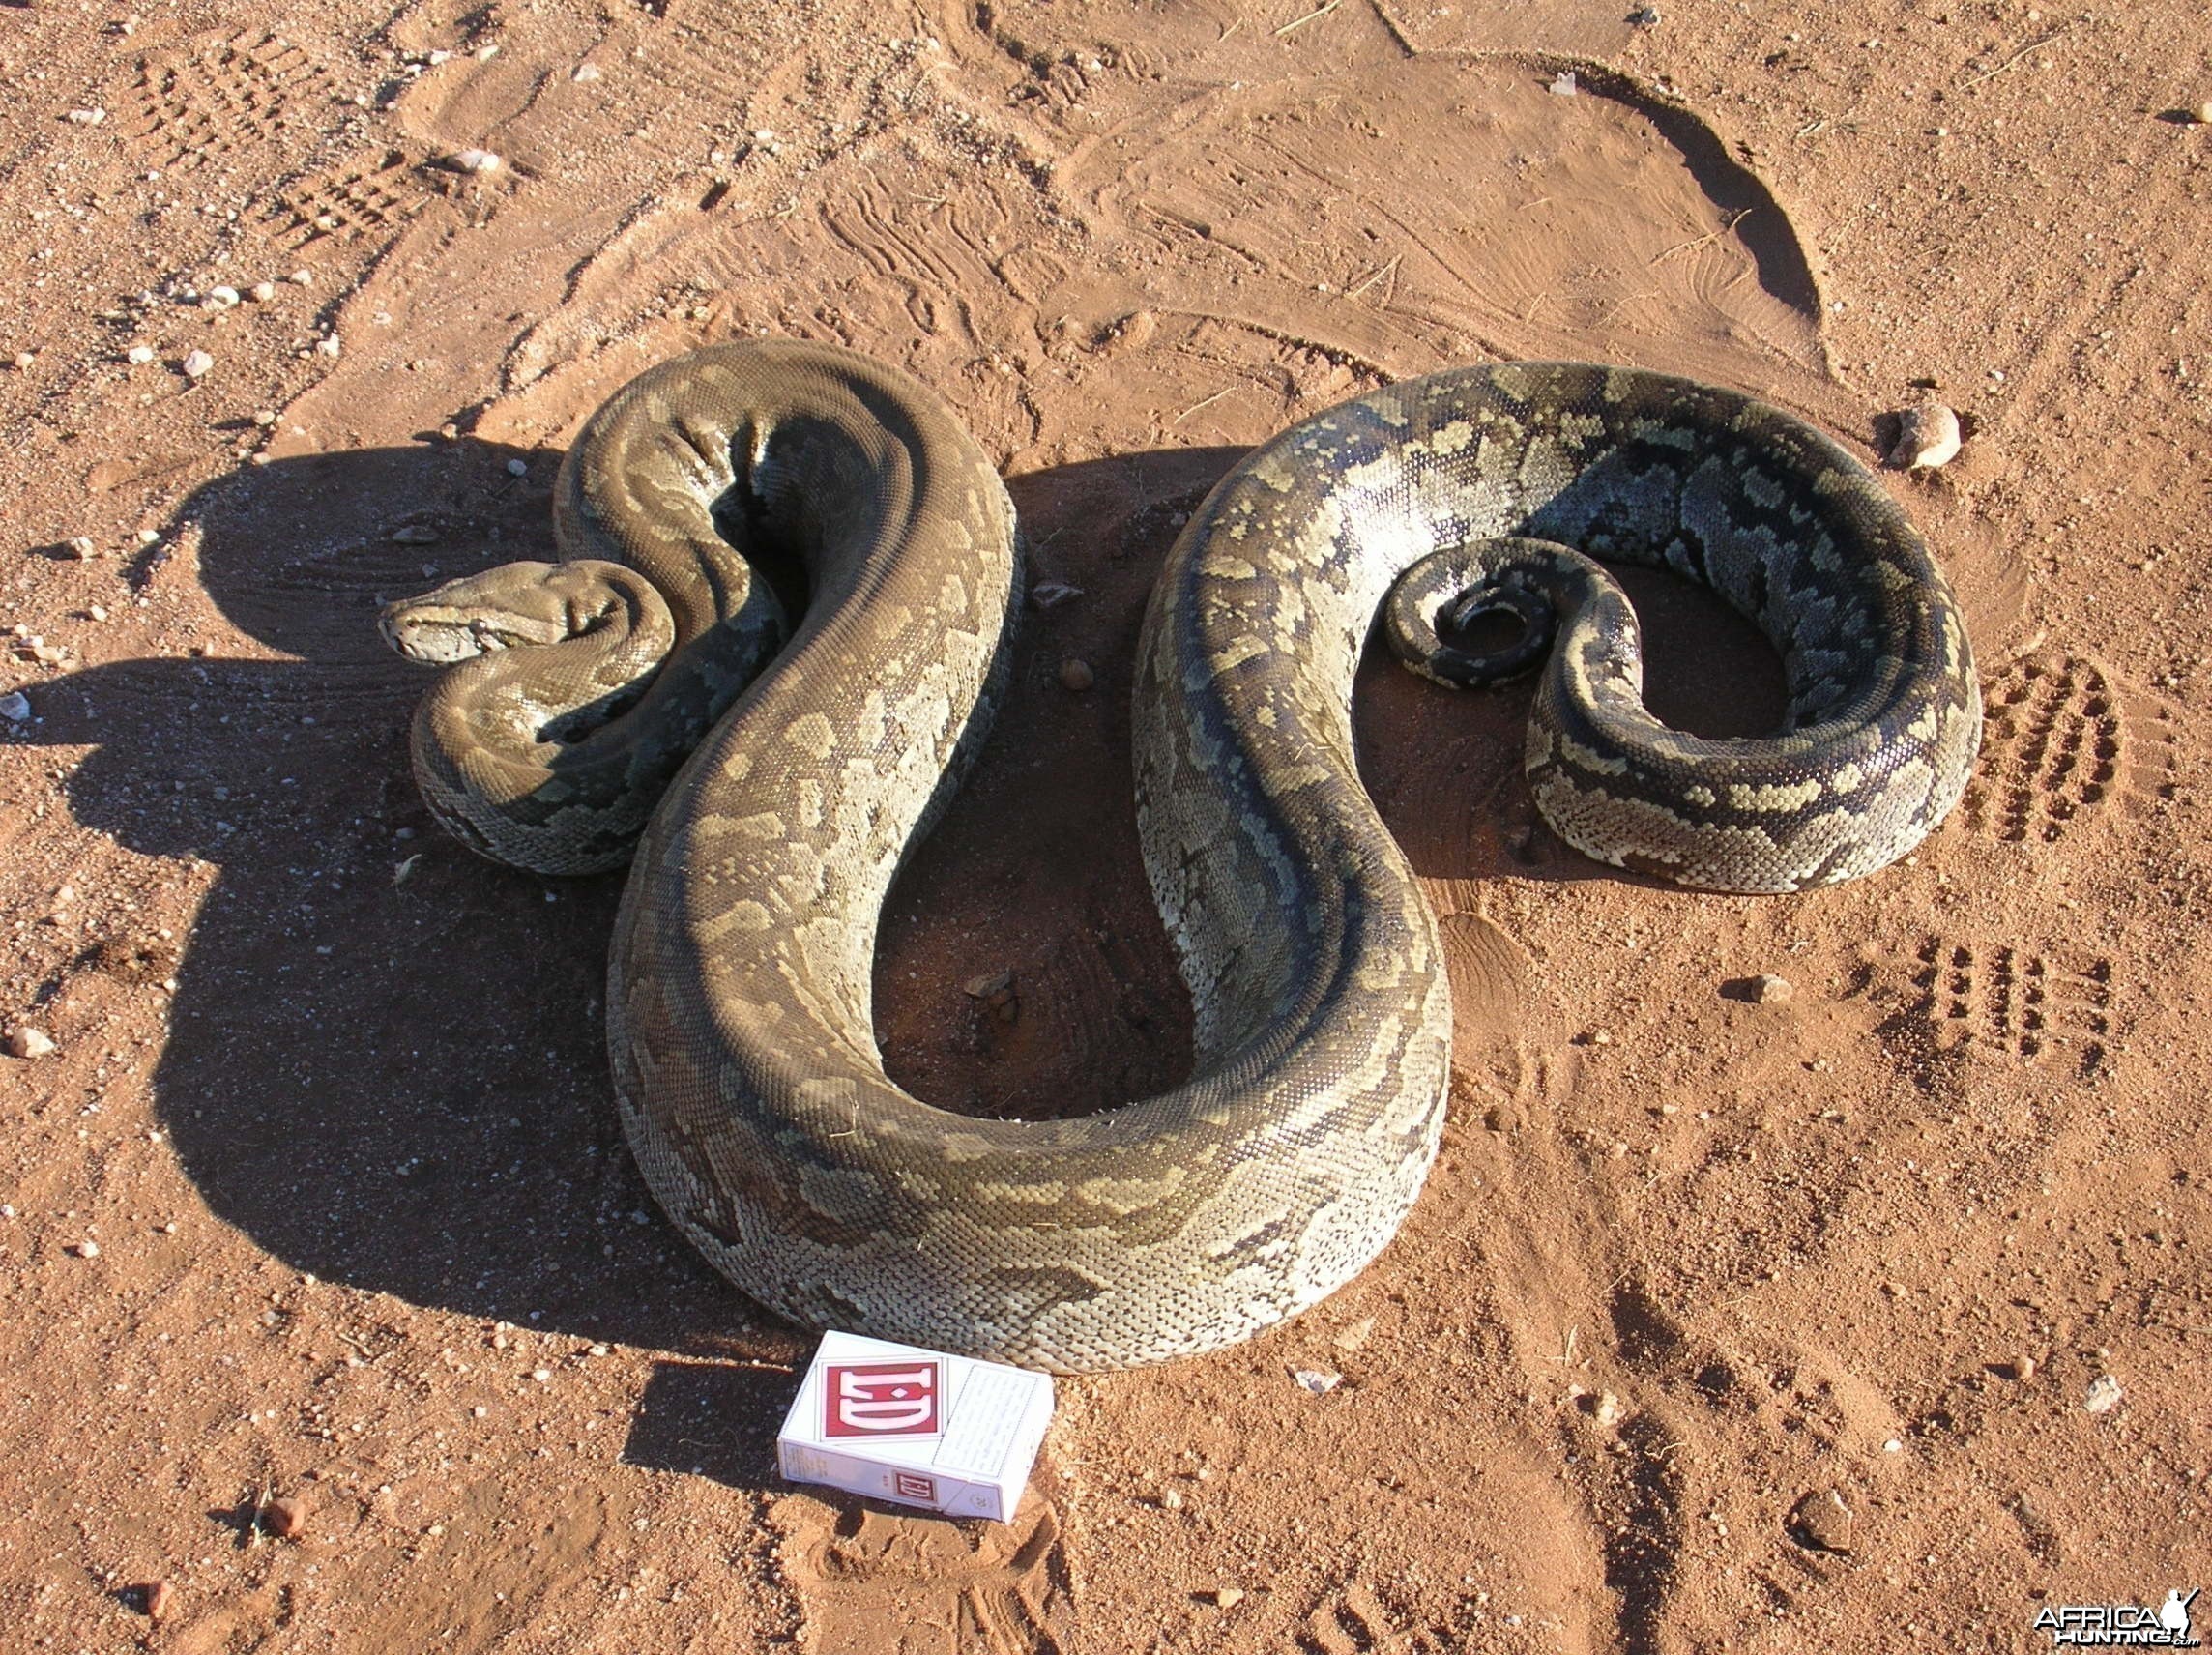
740, 999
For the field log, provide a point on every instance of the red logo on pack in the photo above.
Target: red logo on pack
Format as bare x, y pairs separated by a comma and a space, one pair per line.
913, 1485
879, 1399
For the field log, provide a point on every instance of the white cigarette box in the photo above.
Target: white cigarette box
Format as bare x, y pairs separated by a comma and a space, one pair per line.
898, 1423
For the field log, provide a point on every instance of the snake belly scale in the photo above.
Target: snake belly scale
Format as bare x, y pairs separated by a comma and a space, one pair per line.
740, 985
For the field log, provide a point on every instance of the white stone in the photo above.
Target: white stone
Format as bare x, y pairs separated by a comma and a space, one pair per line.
1926, 437
29, 1042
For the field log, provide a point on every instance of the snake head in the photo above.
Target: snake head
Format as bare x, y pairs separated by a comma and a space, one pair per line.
513, 606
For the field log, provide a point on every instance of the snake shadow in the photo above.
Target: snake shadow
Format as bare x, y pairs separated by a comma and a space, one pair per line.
385, 1063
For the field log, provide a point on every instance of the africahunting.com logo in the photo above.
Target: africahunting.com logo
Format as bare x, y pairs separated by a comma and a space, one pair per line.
2122, 1626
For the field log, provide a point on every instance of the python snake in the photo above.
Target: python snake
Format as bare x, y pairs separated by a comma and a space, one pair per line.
740, 987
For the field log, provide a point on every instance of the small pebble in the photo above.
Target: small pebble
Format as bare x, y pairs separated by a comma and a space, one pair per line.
518, 468
86, 1249
1926, 437
264, 418
2104, 1394
586, 71
261, 292
87, 117
98, 612
1319, 1381
15, 707
415, 534
1171, 1499
1563, 83
160, 1598
1227, 1597
597, 1350
1608, 1411
1354, 1335
29, 1042
1076, 675
1052, 593
2202, 113
2021, 1368
473, 160
542, 1374
329, 345
148, 536
285, 1518
197, 365
302, 279
25, 359
221, 298
479, 1411
1770, 990
1821, 1522
138, 354
82, 548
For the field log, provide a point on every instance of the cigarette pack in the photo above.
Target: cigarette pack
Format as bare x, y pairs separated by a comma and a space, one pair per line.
949, 1434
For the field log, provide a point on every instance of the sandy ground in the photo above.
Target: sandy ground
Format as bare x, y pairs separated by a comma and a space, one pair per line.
1721, 1324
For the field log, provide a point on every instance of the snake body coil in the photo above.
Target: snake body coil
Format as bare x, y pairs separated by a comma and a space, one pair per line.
740, 997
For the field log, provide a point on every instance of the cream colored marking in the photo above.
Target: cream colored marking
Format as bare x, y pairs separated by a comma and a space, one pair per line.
811, 796
1446, 440
812, 734
1590, 758
1236, 652
1776, 796
1048, 1194
1124, 1195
